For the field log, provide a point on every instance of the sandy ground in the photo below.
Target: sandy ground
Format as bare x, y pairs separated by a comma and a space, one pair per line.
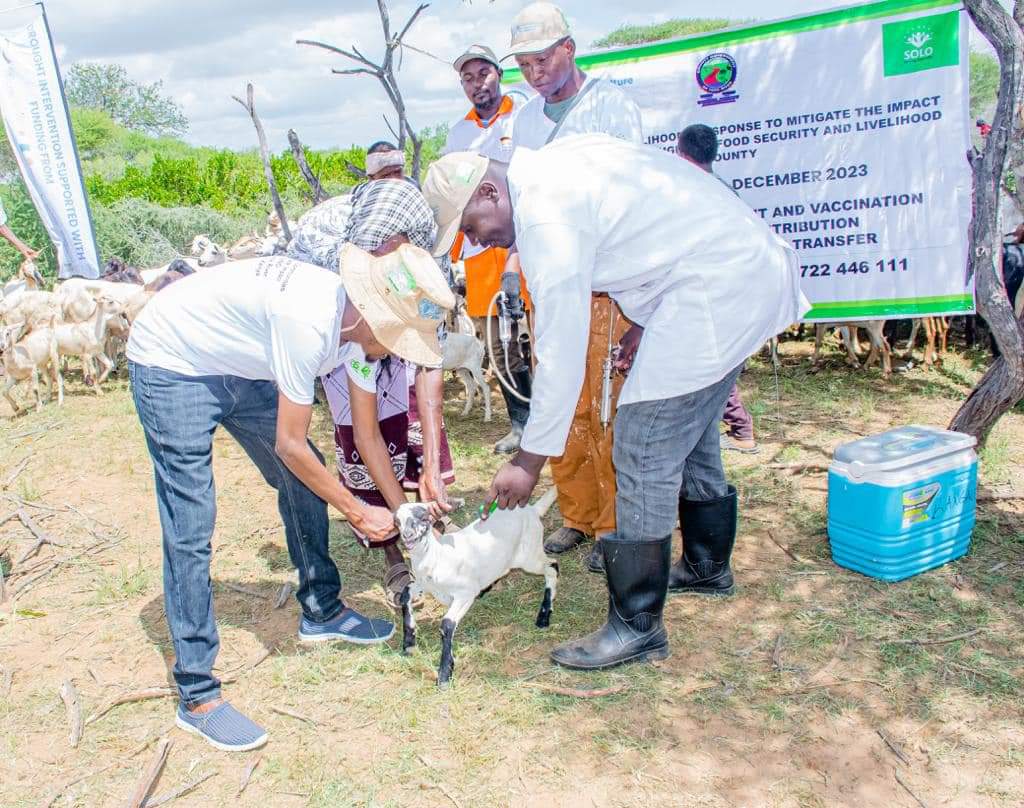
813, 686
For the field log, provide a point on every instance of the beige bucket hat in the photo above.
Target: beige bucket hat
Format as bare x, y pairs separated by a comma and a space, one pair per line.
450, 184
402, 296
536, 28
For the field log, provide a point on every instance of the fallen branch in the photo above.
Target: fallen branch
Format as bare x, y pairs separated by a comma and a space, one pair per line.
296, 716
940, 641
247, 774
53, 797
893, 747
907, 788
243, 590
69, 696
838, 683
14, 475
131, 698
441, 787
786, 550
42, 537
163, 799
777, 654
799, 468
149, 777
282, 596
572, 692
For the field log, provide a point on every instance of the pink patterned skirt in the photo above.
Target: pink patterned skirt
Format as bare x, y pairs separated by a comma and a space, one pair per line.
399, 421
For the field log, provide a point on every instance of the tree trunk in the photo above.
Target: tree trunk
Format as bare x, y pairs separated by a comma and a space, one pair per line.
1003, 385
268, 170
319, 194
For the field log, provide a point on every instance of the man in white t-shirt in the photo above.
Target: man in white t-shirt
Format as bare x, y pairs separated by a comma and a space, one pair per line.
240, 346
487, 129
569, 102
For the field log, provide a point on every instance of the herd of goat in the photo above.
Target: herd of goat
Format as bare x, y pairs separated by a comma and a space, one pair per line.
89, 320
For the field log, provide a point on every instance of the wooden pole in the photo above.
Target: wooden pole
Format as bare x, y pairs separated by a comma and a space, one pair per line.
319, 194
268, 170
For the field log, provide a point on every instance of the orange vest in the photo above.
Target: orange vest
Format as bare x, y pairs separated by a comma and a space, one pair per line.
483, 277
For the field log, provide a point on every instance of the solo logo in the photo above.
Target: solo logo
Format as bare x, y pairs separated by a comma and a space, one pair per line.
919, 48
716, 75
922, 43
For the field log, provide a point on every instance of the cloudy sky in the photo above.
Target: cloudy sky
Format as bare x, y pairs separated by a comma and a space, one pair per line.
206, 50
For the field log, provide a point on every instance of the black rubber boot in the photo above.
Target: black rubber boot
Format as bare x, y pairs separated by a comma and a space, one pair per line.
595, 560
637, 579
709, 534
518, 412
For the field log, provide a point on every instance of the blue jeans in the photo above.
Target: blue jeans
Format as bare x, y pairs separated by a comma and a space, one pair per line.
664, 450
179, 415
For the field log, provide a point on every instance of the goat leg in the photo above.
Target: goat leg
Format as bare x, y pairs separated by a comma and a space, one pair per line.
463, 375
450, 622
485, 392
9, 396
550, 588
408, 621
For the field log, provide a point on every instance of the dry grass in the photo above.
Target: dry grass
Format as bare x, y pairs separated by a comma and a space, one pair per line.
772, 698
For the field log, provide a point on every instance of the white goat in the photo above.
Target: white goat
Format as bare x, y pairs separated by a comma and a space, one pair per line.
27, 279
33, 309
24, 357
88, 340
848, 334
206, 252
457, 567
464, 355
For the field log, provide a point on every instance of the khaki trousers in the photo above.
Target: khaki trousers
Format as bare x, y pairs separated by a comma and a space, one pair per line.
585, 474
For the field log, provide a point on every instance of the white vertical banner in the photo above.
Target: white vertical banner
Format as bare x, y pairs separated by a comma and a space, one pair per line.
35, 115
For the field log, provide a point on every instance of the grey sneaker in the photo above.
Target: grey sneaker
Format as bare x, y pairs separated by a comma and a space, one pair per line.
350, 626
223, 727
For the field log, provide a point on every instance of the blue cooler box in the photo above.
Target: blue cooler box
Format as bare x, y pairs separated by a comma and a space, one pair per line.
902, 502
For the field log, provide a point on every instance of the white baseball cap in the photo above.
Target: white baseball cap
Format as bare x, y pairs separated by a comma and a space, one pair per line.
476, 52
536, 28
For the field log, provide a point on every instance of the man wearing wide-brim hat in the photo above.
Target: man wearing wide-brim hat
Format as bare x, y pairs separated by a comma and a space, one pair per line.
241, 347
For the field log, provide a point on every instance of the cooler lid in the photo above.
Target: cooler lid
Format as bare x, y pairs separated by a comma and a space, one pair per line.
903, 446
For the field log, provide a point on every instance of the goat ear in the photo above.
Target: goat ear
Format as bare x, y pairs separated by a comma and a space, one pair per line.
420, 513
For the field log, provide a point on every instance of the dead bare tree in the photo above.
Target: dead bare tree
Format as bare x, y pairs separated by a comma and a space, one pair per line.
319, 194
1002, 386
385, 74
268, 170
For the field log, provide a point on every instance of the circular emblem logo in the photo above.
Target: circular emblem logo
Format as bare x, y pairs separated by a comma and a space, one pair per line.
716, 73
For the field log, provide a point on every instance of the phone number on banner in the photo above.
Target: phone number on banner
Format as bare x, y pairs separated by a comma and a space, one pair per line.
854, 268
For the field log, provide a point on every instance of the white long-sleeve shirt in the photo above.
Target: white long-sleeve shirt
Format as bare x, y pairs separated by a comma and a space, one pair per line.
602, 107
677, 250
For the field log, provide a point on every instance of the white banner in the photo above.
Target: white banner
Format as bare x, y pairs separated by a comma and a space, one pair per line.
846, 130
36, 118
